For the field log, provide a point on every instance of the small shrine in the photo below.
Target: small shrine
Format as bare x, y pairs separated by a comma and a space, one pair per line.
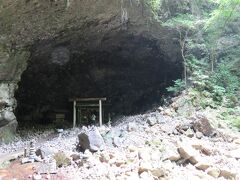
88, 111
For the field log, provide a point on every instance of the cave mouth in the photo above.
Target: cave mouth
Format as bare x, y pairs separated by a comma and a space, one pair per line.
132, 72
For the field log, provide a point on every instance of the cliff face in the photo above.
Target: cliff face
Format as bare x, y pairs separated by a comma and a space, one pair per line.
114, 40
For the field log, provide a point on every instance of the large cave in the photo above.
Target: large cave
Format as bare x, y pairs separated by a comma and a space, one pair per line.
131, 71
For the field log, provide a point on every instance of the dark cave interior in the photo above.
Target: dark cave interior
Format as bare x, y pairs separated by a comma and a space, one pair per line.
132, 72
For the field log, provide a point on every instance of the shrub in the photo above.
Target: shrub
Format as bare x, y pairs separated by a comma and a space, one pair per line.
61, 159
178, 87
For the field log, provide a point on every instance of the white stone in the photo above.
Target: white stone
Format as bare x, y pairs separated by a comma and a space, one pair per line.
173, 155
235, 153
144, 166
214, 172
146, 176
37, 177
151, 121
199, 135
236, 141
144, 154
131, 127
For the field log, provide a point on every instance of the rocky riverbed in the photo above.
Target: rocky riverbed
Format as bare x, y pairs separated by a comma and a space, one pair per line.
155, 145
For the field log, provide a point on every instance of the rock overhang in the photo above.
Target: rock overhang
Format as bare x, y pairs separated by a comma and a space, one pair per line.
53, 36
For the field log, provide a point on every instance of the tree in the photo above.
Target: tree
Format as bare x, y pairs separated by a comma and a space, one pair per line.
226, 12
183, 23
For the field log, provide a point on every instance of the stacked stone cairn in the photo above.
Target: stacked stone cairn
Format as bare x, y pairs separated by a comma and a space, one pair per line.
32, 157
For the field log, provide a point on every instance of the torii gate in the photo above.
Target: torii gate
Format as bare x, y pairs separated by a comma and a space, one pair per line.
75, 100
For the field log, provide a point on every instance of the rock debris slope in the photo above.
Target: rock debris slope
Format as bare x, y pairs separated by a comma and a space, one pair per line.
148, 146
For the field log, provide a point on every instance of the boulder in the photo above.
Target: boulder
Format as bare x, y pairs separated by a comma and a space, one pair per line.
214, 172
117, 142
201, 124
171, 152
39, 153
161, 119
46, 152
188, 153
6, 117
173, 155
227, 174
7, 132
203, 165
91, 139
158, 171
75, 157
203, 148
151, 121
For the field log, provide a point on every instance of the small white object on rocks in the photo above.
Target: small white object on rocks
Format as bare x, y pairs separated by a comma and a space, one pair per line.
37, 177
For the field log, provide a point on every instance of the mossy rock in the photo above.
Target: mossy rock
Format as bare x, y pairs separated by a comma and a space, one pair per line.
7, 133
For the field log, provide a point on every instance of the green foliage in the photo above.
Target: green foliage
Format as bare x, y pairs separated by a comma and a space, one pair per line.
210, 89
155, 4
236, 122
178, 87
228, 11
231, 116
183, 21
224, 79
